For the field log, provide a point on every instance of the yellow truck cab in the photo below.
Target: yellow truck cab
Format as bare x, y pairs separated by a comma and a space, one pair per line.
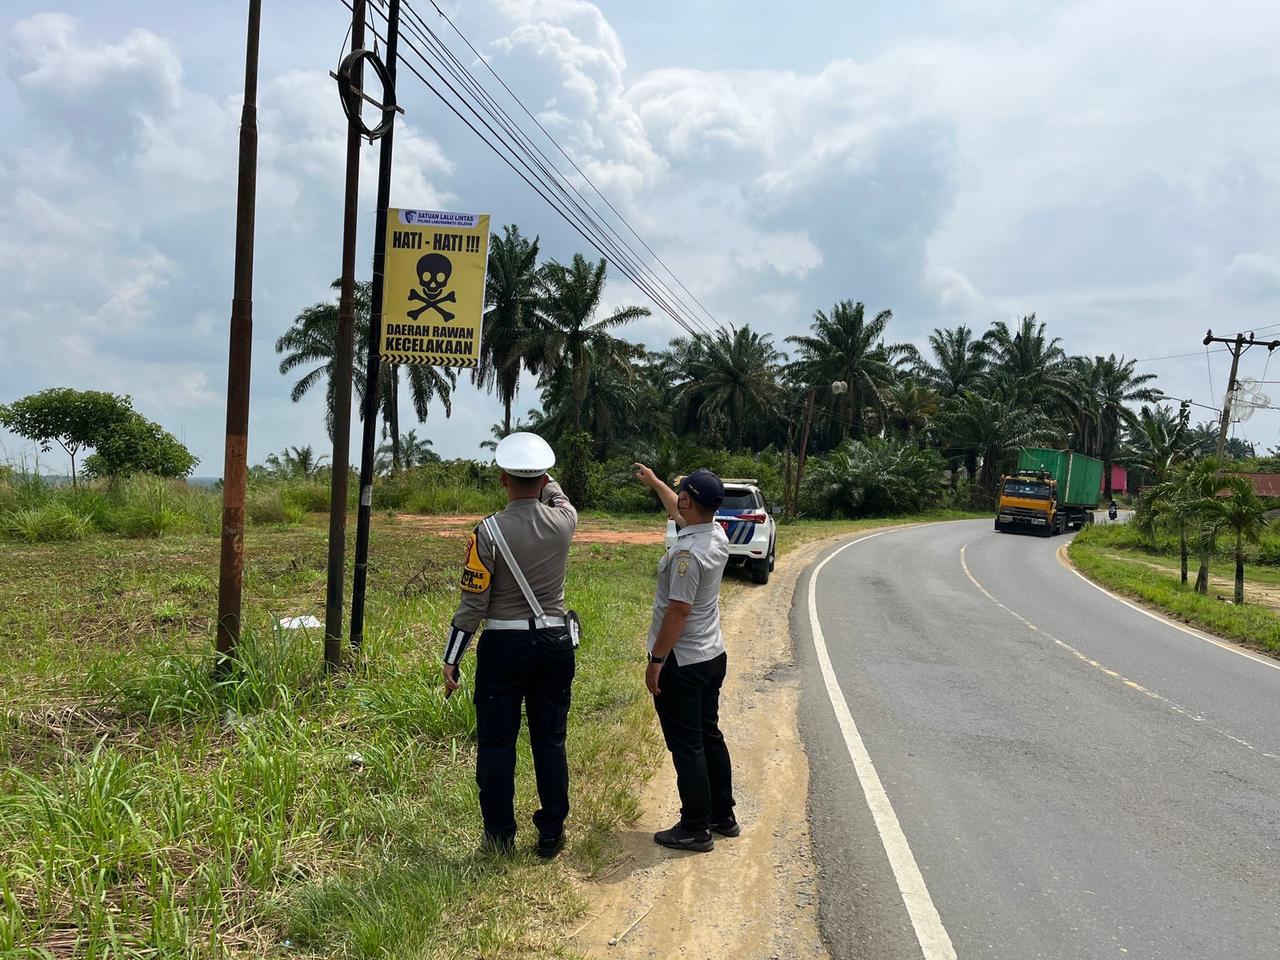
1052, 492
1028, 499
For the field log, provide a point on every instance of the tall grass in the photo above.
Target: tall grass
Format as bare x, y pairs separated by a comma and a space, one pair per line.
179, 814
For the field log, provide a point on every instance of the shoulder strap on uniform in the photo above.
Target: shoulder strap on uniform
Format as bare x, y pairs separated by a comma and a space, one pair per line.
495, 532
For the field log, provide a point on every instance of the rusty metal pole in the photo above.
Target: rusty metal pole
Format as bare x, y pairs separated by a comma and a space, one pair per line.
804, 449
371, 391
343, 353
235, 465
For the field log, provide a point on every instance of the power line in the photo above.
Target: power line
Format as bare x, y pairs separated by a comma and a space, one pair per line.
1175, 356
511, 93
583, 222
549, 174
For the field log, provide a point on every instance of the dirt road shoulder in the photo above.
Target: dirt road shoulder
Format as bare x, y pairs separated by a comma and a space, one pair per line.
756, 895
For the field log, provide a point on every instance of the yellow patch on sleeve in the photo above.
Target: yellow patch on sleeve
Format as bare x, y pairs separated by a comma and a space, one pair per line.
475, 575
682, 563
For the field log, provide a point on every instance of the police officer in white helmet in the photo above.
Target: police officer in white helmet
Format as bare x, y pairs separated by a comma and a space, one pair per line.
513, 582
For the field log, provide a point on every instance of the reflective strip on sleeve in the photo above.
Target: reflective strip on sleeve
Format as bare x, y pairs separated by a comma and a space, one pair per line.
457, 645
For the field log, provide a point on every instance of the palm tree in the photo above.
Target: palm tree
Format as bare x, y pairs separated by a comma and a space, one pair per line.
846, 346
1244, 515
910, 409
731, 387
991, 427
1175, 501
511, 288
1031, 368
958, 362
611, 399
1205, 482
414, 452
1114, 383
1158, 440
566, 338
313, 339
1204, 438
295, 462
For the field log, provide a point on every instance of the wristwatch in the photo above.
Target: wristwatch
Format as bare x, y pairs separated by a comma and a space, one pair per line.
653, 659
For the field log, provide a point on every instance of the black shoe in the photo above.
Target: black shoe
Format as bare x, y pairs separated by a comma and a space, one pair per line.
550, 847
499, 844
728, 827
678, 838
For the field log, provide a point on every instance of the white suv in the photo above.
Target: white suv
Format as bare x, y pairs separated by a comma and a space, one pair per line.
748, 524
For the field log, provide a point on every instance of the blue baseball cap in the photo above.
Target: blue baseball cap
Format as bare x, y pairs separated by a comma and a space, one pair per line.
704, 488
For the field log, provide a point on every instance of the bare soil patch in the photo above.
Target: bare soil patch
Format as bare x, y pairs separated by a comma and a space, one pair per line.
589, 531
754, 896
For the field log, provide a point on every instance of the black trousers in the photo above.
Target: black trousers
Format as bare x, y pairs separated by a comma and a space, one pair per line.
534, 667
689, 711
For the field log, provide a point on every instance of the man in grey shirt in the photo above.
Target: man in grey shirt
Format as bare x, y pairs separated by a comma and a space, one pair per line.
522, 656
687, 660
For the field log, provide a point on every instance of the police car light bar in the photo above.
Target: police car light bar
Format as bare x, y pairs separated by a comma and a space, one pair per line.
752, 482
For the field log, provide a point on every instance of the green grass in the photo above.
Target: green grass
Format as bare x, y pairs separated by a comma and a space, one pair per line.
1094, 551
149, 810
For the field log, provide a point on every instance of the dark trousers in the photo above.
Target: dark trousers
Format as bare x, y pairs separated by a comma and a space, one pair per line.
689, 711
536, 667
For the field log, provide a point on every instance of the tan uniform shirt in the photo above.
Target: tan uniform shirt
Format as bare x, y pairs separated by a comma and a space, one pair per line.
539, 531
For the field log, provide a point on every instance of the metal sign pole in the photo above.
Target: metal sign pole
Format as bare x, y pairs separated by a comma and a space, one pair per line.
342, 363
372, 391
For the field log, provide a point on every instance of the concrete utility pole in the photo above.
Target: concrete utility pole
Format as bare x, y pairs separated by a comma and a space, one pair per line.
1237, 345
235, 467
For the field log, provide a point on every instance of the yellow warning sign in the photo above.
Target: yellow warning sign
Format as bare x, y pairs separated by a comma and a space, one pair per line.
433, 287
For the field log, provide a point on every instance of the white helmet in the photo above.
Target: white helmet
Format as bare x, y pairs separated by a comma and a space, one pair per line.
524, 455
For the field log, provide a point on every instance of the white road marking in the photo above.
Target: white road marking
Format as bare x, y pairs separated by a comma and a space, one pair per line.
934, 941
1132, 684
1248, 654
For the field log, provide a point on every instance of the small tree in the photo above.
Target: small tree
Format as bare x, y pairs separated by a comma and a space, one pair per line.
1243, 515
73, 418
137, 445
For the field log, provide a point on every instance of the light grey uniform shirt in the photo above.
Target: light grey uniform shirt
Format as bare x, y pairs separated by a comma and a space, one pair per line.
690, 571
539, 531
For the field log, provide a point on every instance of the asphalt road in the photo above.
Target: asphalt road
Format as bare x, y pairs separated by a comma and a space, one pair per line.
1071, 778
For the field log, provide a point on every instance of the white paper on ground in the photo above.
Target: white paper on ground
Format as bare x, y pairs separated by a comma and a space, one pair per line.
295, 623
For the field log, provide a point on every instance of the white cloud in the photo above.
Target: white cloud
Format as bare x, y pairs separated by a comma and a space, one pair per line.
1110, 166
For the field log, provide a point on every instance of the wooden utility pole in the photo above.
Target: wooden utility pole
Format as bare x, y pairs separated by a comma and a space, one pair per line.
235, 469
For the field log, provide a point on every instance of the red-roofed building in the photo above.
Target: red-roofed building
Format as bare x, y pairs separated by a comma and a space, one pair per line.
1264, 484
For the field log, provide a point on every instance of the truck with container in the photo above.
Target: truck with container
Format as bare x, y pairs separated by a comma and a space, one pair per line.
1052, 491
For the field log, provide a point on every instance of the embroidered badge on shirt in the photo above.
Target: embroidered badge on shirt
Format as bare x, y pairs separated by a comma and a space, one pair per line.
682, 563
475, 575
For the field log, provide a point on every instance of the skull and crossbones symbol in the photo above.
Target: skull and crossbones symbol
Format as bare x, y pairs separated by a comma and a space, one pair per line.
434, 271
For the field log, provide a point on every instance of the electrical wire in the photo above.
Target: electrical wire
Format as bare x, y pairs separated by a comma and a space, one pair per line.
1209, 367
460, 72
617, 246
511, 93
537, 179
1178, 356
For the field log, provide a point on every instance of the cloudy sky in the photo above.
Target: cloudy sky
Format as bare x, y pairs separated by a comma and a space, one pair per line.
1112, 166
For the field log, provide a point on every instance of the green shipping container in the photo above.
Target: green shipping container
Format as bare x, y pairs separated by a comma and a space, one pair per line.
1079, 477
